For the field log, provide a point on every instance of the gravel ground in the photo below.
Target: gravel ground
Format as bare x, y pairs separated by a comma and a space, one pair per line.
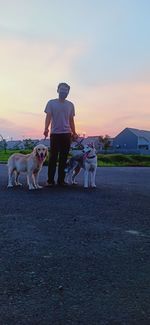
76, 256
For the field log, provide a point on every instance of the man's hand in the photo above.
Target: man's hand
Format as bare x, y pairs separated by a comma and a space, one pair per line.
47, 123
46, 133
74, 136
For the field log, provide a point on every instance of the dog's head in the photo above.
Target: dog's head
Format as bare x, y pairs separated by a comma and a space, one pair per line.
89, 149
41, 152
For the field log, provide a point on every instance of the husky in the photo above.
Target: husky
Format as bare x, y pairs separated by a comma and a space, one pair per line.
86, 159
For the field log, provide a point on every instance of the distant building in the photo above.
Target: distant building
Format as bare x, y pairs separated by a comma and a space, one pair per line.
131, 139
46, 142
18, 144
15, 144
87, 140
90, 139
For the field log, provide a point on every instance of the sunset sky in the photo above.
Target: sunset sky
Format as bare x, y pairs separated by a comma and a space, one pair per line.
100, 47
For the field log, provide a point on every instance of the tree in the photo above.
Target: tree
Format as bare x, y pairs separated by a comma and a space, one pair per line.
28, 143
105, 141
3, 143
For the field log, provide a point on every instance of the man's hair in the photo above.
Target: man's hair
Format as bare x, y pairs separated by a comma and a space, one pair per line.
63, 84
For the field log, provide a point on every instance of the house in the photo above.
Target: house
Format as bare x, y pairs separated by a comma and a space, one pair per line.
90, 139
15, 144
46, 142
131, 139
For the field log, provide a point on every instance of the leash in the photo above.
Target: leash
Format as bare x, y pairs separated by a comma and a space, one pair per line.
79, 144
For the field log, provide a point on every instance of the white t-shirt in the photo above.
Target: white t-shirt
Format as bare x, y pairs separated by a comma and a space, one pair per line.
60, 113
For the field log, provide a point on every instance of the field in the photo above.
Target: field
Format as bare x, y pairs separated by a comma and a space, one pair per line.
122, 160
104, 160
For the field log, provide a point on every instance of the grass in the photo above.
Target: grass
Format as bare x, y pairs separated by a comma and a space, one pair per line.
107, 160
122, 160
5, 155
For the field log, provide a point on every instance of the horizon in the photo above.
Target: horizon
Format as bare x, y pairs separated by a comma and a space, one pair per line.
104, 58
48, 138
80, 136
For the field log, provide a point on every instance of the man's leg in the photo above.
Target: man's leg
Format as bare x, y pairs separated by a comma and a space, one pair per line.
52, 162
65, 141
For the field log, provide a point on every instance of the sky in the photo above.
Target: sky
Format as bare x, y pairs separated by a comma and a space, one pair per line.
100, 48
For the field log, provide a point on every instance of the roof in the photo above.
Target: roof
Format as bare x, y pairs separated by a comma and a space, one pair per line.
90, 139
140, 133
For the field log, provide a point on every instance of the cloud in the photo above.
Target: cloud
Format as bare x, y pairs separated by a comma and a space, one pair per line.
30, 72
26, 113
4, 122
19, 131
110, 108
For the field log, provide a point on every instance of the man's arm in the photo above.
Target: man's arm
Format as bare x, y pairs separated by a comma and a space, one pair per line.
47, 123
72, 126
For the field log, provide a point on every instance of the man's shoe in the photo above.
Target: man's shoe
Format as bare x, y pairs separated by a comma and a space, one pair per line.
50, 184
62, 184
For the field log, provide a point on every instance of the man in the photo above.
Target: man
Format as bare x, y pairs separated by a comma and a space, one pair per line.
60, 115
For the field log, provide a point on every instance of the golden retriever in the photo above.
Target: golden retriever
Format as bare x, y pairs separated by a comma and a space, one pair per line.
30, 163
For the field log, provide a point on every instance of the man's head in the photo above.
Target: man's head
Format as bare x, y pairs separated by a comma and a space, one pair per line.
63, 90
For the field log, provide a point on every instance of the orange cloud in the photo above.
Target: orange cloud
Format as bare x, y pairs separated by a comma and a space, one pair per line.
110, 108
30, 72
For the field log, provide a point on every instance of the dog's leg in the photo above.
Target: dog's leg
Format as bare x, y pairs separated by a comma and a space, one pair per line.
10, 173
67, 174
93, 174
29, 181
86, 174
73, 176
75, 173
16, 179
70, 177
35, 180
89, 178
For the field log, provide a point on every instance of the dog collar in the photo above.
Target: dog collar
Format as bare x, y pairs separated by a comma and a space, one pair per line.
91, 157
85, 156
